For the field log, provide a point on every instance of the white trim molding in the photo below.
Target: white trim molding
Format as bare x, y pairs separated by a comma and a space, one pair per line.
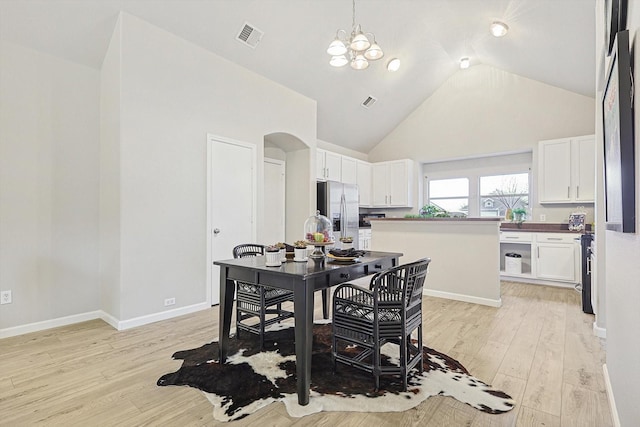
120, 325
48, 324
163, 315
463, 298
612, 403
598, 331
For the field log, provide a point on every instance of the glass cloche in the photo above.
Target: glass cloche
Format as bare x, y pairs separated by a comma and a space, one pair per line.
318, 230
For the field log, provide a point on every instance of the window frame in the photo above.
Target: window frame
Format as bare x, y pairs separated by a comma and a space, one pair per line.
475, 168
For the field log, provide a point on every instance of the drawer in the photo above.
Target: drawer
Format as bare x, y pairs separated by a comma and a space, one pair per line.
345, 275
556, 238
515, 237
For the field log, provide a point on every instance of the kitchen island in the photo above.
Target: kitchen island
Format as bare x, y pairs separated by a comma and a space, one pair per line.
464, 252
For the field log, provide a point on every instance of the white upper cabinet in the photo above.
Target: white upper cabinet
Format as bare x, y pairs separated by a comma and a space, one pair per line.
364, 182
566, 170
349, 170
391, 183
584, 168
328, 165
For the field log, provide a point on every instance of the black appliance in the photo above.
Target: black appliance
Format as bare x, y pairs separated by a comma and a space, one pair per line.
586, 241
363, 221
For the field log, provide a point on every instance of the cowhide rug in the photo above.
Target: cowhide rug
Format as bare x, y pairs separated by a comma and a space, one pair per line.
253, 379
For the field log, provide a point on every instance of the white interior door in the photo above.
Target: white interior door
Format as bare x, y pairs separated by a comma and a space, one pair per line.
274, 201
231, 203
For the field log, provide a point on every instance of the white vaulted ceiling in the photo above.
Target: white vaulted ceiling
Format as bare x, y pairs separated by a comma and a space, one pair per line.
551, 41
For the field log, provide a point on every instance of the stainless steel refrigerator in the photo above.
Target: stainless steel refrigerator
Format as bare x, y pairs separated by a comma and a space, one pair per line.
339, 203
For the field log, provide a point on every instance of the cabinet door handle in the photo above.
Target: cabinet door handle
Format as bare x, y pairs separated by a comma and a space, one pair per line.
554, 238
568, 192
538, 248
577, 191
512, 237
389, 199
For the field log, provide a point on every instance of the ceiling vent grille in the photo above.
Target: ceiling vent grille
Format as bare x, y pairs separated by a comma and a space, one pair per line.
368, 103
249, 35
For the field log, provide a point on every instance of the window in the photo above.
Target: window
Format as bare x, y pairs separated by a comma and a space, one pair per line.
452, 195
479, 187
499, 193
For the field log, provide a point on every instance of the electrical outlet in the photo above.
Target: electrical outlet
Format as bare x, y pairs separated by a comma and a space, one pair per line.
543, 217
169, 301
5, 297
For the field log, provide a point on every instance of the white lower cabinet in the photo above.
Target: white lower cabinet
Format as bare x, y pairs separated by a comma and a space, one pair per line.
364, 237
556, 257
544, 256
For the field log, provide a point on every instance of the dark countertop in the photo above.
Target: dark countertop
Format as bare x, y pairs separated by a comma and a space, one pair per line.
541, 227
479, 219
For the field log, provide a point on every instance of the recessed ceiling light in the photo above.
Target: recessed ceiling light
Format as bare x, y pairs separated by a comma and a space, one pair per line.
499, 29
464, 63
393, 65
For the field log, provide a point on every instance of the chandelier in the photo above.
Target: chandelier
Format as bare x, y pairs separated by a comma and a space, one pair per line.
357, 50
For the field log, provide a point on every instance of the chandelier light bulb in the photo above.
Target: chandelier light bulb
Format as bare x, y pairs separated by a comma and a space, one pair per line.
464, 63
338, 61
374, 52
499, 29
337, 48
359, 62
360, 42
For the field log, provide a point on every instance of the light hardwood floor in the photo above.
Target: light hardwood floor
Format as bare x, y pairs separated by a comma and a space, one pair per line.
538, 347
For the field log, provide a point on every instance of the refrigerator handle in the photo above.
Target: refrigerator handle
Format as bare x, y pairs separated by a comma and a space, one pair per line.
343, 215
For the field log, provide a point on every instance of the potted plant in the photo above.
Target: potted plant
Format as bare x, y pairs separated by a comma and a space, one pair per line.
433, 211
519, 215
283, 250
272, 253
300, 251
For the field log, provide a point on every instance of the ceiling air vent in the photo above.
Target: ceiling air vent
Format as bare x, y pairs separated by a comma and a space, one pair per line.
367, 103
249, 35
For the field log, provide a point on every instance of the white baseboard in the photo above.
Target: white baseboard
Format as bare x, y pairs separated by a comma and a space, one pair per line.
612, 403
532, 281
99, 314
598, 331
48, 324
163, 315
463, 298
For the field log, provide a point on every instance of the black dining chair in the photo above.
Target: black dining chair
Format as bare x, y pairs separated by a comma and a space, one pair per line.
257, 301
389, 312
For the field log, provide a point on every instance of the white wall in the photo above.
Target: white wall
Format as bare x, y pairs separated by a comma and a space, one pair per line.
622, 278
342, 150
484, 110
172, 94
49, 132
103, 174
110, 293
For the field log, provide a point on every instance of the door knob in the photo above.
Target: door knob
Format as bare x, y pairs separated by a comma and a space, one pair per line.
216, 231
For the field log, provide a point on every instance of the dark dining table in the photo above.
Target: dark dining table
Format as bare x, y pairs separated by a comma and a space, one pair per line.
304, 279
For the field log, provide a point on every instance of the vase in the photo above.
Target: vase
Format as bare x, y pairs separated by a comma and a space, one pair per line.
300, 254
273, 259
